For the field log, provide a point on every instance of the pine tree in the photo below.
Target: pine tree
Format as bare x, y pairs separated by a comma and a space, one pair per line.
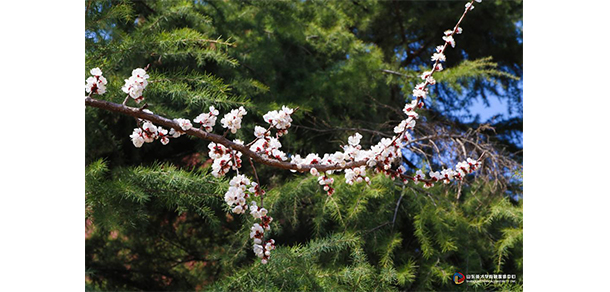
156, 218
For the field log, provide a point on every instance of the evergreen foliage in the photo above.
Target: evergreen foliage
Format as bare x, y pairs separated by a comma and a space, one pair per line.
156, 218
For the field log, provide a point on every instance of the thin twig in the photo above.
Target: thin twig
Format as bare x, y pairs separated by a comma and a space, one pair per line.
257, 181
397, 205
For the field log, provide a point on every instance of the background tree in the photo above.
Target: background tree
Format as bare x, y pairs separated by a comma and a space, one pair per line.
156, 219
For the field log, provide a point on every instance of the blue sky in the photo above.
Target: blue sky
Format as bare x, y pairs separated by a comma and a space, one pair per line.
496, 106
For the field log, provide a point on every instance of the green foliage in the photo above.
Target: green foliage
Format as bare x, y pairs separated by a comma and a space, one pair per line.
174, 223
355, 243
156, 219
134, 188
459, 76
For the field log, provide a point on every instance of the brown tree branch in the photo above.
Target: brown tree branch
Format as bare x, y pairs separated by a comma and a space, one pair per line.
252, 156
163, 121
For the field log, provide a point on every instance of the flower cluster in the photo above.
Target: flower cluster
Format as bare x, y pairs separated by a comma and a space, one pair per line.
261, 248
380, 156
257, 212
256, 190
281, 120
335, 159
224, 158
326, 181
236, 196
268, 147
447, 175
311, 158
97, 83
148, 133
135, 85
356, 174
207, 120
264, 144
232, 120
240, 189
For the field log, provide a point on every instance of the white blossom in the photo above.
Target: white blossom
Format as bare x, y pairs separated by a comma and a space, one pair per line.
314, 171
149, 127
354, 140
419, 175
278, 154
207, 120
435, 175
256, 211
96, 72
217, 150
281, 119
136, 137
339, 158
161, 131
236, 194
410, 107
356, 174
135, 85
260, 132
325, 180
409, 123
232, 120
426, 74
450, 40
222, 165
185, 124
401, 127
174, 134
464, 167
164, 140
97, 83
438, 56
258, 250
237, 209
447, 175
419, 93
473, 164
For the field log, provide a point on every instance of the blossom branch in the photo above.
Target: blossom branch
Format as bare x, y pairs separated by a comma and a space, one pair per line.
163, 121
